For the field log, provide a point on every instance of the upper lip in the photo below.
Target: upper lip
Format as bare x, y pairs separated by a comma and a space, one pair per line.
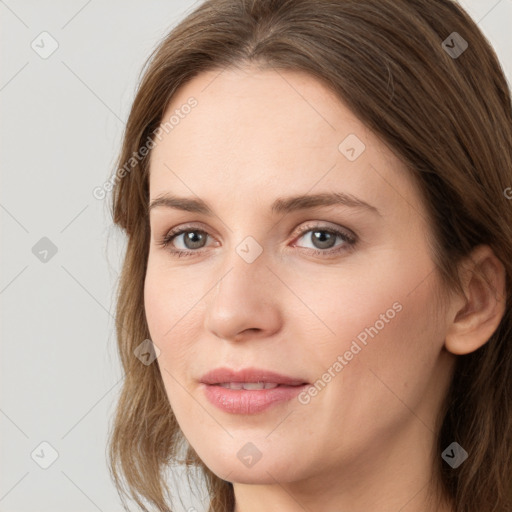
224, 375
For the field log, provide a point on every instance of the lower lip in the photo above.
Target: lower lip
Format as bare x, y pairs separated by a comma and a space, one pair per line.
243, 401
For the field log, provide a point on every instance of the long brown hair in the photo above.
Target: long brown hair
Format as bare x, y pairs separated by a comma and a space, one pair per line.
447, 115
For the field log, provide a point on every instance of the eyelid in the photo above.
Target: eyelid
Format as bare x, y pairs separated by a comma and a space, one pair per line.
185, 227
324, 226
320, 225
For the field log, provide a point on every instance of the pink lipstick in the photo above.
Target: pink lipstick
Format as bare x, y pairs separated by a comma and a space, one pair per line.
250, 390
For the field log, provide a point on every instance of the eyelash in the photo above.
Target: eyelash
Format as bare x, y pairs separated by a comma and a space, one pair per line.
348, 239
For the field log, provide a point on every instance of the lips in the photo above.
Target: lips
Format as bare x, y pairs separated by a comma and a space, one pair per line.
249, 386
249, 391
225, 376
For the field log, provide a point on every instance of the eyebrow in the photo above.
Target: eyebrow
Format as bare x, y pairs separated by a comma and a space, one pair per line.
280, 205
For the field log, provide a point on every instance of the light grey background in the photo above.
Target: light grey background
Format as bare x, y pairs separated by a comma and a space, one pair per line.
62, 119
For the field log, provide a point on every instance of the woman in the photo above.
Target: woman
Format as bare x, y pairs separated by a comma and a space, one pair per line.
314, 308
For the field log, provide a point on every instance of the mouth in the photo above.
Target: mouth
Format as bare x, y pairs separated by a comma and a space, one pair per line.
247, 378
249, 391
249, 386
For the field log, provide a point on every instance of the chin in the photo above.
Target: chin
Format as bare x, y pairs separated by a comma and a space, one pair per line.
240, 468
262, 475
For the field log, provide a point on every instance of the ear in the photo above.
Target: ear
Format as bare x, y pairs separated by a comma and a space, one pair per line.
477, 315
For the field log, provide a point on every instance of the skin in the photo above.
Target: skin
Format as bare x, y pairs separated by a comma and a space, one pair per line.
365, 442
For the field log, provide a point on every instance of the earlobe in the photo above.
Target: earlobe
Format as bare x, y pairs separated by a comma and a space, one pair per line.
478, 314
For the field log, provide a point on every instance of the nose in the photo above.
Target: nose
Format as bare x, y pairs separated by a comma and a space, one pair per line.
244, 303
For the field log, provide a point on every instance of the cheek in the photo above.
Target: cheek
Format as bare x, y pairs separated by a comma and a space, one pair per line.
384, 320
174, 310
169, 298
163, 314
390, 346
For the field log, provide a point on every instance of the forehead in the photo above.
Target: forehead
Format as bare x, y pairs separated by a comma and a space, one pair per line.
254, 132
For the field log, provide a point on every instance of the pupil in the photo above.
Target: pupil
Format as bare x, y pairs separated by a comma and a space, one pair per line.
191, 238
324, 239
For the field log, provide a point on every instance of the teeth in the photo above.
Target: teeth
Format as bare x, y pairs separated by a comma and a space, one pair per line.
249, 385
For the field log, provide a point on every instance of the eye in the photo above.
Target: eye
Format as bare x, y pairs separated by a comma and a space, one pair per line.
323, 239
189, 241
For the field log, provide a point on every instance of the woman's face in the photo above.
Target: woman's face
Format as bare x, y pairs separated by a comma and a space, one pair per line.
340, 295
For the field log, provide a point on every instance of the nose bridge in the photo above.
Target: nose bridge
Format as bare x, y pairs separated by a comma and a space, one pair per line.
245, 272
243, 255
